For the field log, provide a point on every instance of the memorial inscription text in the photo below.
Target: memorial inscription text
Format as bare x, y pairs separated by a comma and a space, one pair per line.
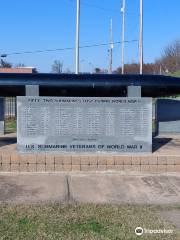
63, 124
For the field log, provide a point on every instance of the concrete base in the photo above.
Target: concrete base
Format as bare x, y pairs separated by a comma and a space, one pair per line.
165, 158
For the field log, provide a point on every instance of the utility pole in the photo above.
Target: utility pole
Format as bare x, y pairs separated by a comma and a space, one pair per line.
141, 38
123, 32
77, 35
111, 47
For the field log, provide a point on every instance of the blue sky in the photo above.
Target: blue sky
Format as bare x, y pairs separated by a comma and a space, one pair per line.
43, 24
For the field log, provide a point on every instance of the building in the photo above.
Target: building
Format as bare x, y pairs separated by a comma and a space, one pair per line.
18, 70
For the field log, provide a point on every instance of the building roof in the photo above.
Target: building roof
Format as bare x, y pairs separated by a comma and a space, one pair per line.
18, 70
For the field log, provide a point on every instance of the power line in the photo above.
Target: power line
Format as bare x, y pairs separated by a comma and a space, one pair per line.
104, 9
96, 6
68, 48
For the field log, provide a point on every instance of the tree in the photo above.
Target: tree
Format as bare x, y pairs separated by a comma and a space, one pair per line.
170, 59
57, 66
100, 71
19, 65
97, 70
35, 70
68, 71
4, 64
129, 68
168, 63
133, 68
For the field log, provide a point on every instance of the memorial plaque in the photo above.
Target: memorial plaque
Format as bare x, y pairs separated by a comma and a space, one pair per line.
84, 124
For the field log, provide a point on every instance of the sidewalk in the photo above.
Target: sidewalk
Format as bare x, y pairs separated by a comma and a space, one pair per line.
86, 187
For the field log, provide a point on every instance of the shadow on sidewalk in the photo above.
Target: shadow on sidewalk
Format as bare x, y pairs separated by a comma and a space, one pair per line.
159, 143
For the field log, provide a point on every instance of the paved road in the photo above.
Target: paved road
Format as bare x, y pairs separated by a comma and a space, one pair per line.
90, 187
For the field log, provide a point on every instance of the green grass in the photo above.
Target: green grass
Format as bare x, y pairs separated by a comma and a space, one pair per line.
175, 74
10, 125
81, 222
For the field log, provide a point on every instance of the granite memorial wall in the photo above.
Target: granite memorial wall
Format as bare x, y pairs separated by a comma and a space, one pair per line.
84, 124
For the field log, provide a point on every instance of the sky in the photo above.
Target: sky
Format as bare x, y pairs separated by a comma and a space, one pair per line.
44, 24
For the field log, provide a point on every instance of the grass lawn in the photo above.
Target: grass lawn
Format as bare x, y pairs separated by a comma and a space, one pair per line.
86, 221
175, 74
10, 125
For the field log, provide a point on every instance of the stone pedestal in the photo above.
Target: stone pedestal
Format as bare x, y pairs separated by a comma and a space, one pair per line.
134, 91
1, 115
32, 90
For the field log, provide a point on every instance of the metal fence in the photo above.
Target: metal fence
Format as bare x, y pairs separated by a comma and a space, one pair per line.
10, 107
